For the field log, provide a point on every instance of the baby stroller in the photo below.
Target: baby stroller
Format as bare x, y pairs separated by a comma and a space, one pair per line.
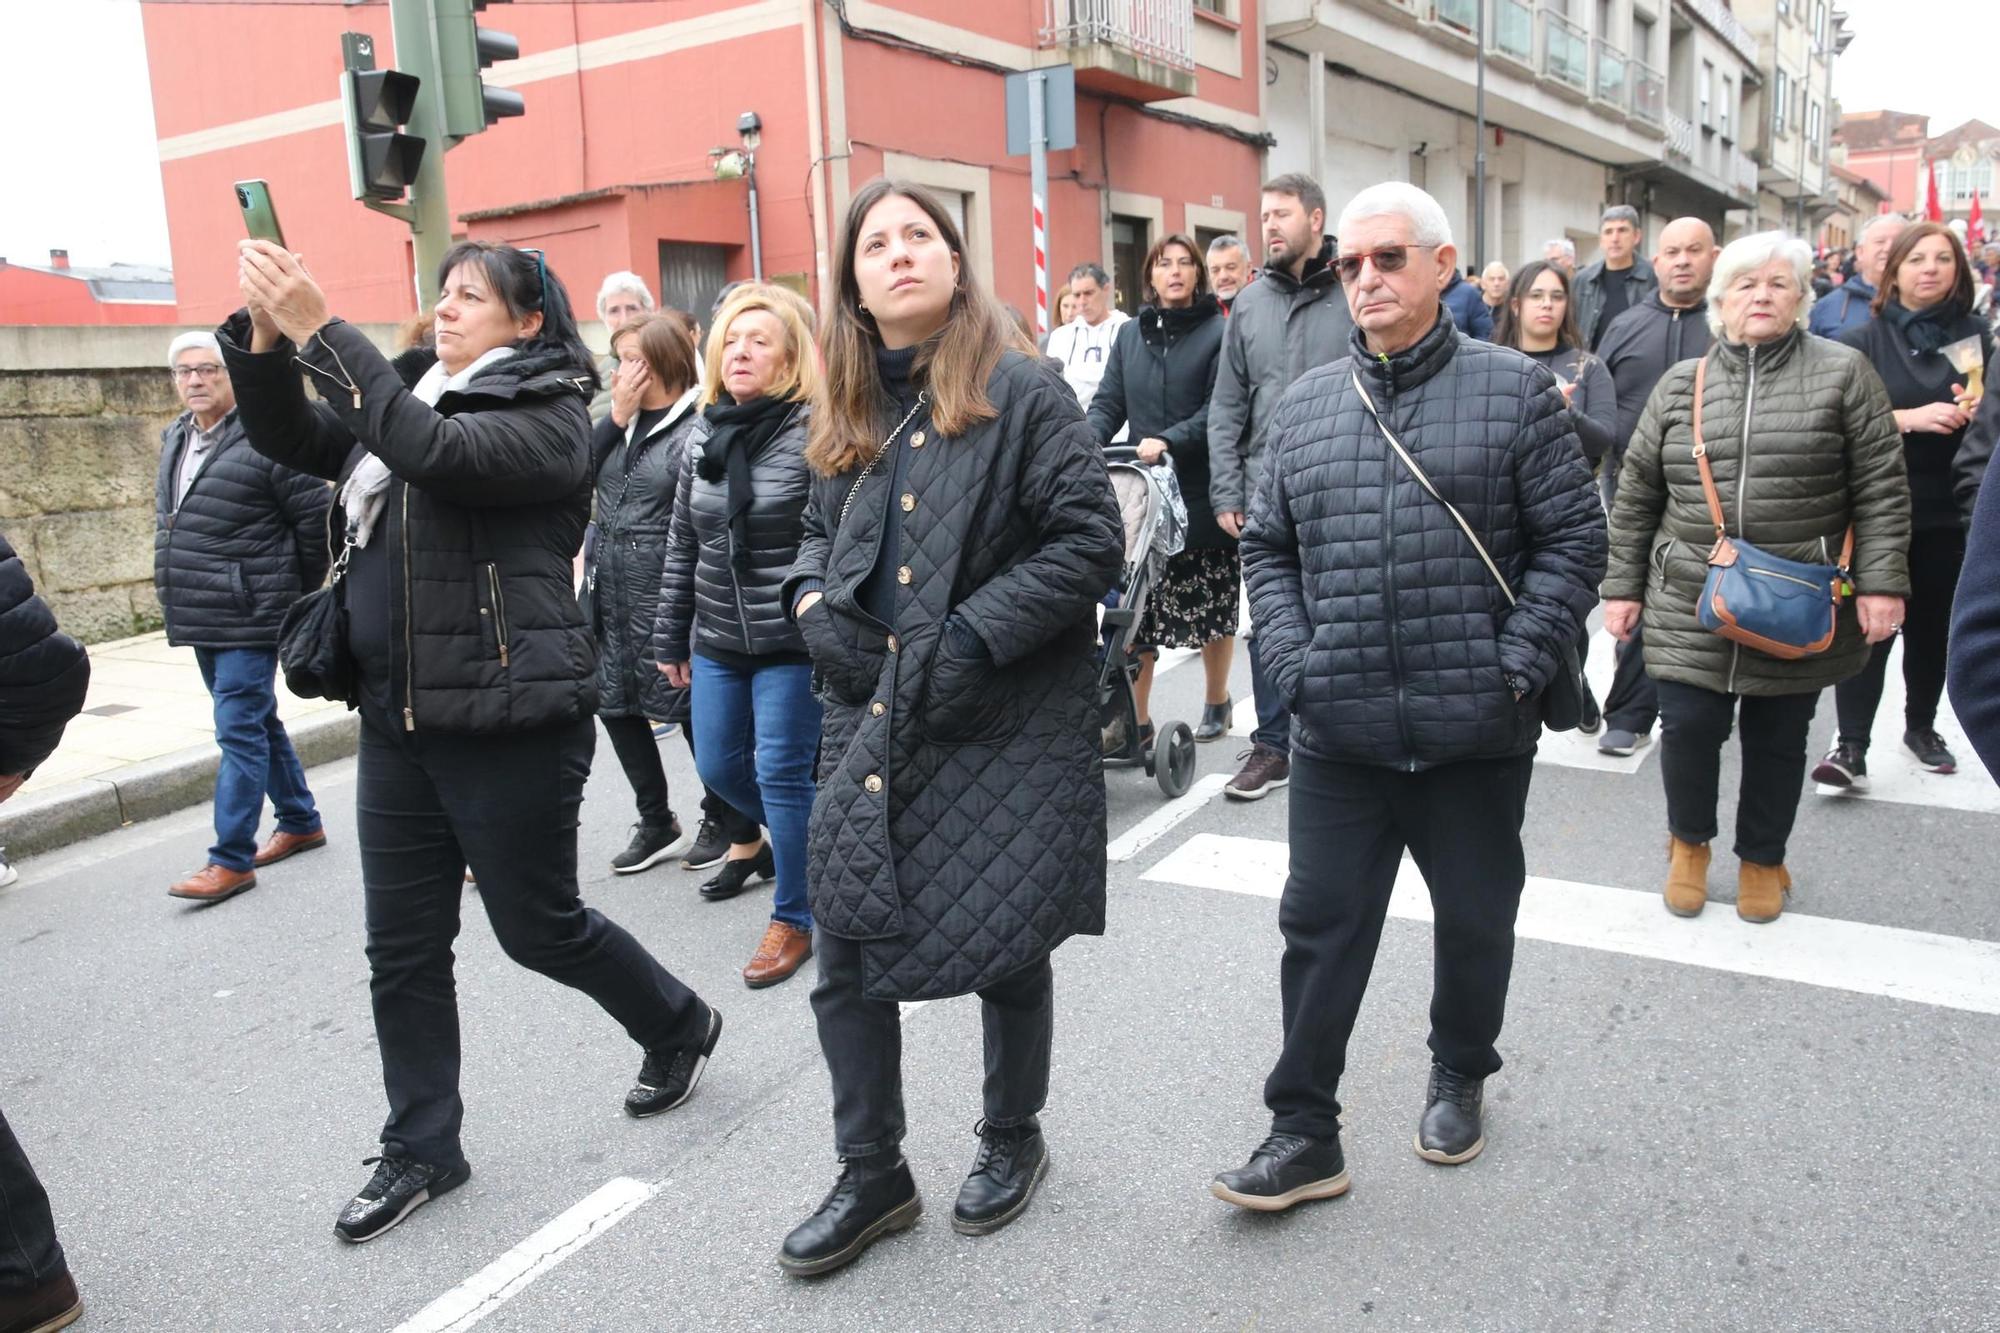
1149, 502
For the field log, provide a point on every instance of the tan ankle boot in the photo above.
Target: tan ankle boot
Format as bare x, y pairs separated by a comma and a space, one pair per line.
1687, 877
1760, 892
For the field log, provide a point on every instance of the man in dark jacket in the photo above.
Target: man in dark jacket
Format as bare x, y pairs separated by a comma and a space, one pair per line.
239, 538
1973, 669
1617, 281
1469, 311
1412, 673
1847, 306
1669, 326
43, 676
1281, 326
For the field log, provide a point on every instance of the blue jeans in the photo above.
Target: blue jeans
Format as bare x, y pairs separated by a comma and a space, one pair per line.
1274, 724
756, 735
257, 755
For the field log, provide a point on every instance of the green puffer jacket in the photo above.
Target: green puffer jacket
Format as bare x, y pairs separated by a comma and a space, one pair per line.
1802, 443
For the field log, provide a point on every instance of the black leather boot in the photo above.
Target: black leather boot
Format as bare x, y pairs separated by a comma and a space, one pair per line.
1453, 1128
1009, 1165
869, 1201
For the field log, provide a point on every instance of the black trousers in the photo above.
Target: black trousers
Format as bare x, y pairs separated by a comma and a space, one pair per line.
862, 1040
1694, 724
638, 752
29, 1252
1936, 556
1633, 704
1349, 826
506, 805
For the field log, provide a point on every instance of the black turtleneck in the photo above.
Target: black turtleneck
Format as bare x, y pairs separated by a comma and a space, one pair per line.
877, 593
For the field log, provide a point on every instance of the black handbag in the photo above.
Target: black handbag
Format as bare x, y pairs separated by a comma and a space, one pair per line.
1561, 700
312, 641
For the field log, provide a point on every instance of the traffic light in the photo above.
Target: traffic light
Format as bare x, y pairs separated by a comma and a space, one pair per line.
463, 50
376, 103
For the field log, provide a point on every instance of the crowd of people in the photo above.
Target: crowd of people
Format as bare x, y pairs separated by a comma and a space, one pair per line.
855, 558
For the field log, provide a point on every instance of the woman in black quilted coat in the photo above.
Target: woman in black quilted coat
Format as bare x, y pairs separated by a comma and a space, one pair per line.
960, 533
461, 503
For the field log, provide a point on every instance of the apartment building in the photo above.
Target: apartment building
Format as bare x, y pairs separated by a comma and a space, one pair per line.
1800, 40
1706, 170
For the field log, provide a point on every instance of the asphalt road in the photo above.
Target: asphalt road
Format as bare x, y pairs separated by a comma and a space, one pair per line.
1672, 1146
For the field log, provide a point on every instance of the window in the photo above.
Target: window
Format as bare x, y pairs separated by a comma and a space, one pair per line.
1707, 88
1726, 111
691, 274
1781, 97
1220, 8
1131, 237
1962, 184
1605, 18
1819, 24
1812, 130
1642, 39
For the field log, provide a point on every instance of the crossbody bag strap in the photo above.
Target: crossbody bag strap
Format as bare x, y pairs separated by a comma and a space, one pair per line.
1396, 446
1701, 454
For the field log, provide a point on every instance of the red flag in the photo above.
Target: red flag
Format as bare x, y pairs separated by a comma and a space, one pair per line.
1975, 225
1932, 213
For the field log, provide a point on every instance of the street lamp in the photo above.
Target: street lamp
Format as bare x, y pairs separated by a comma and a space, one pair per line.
741, 164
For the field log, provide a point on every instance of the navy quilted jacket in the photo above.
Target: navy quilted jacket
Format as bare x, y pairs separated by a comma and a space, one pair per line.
959, 826
1387, 637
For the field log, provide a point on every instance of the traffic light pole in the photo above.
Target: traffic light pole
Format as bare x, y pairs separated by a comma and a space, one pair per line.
429, 210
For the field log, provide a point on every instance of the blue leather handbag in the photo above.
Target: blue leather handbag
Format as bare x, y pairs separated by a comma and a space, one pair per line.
1785, 608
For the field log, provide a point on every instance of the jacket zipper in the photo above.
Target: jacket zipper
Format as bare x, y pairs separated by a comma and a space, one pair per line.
1742, 486
499, 610
409, 613
1389, 480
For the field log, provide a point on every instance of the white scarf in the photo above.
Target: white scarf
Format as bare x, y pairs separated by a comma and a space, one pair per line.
364, 492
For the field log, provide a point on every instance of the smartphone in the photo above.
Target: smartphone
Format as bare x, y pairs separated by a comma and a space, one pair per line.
259, 216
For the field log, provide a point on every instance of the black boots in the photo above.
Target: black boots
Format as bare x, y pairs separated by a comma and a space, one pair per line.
871, 1199
1452, 1130
1009, 1165
1285, 1169
1215, 721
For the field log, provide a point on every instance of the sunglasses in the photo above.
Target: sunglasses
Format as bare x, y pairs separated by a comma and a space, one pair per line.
1389, 260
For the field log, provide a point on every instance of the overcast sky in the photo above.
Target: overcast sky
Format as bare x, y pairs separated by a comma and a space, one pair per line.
83, 174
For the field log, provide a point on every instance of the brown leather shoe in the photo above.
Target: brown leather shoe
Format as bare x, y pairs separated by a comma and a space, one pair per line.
282, 844
212, 883
1687, 876
44, 1308
783, 951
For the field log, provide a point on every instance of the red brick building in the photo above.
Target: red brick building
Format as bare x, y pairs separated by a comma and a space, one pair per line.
61, 294
612, 165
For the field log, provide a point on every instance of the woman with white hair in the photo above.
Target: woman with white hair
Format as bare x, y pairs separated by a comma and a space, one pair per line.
1803, 450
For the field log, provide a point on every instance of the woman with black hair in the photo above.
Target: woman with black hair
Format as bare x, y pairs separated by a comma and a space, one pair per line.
461, 502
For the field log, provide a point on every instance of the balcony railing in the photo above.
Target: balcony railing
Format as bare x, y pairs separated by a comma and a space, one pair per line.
1460, 14
1743, 172
1156, 30
1649, 92
1610, 84
1715, 13
1680, 138
1514, 29
1565, 51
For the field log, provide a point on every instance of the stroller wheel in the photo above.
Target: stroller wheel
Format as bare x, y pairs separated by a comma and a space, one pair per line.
1174, 759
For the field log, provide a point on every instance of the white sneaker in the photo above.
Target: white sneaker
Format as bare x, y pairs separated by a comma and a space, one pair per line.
7, 872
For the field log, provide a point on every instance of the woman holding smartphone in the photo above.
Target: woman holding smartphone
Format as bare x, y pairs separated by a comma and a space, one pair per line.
960, 532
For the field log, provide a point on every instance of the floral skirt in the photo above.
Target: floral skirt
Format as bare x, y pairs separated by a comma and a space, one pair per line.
1196, 601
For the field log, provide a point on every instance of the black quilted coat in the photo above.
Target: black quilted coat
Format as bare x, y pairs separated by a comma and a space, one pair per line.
959, 829
485, 513
247, 541
43, 672
637, 484
1387, 637
705, 601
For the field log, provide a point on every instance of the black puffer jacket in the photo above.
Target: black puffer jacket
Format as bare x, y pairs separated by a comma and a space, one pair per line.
1160, 376
1387, 637
1917, 379
704, 603
1640, 346
637, 484
247, 540
959, 827
44, 673
485, 512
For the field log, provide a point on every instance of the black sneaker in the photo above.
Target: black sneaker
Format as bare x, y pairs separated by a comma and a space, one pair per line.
398, 1188
711, 845
1215, 720
867, 1203
1929, 748
1009, 1165
736, 876
1283, 1170
667, 1076
650, 845
1845, 766
1452, 1130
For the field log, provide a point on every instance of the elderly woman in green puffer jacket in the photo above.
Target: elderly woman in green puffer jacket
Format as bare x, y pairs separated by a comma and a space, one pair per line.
1802, 445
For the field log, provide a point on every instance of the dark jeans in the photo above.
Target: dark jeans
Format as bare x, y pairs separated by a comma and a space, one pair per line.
257, 755
29, 1252
756, 733
638, 752
1633, 703
1694, 724
506, 805
862, 1040
1274, 724
1935, 559
1349, 826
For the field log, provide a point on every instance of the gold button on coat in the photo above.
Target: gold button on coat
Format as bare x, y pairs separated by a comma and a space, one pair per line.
903, 575
909, 502
873, 784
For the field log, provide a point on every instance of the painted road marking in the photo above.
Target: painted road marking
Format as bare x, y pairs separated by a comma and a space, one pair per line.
1942, 970
1166, 819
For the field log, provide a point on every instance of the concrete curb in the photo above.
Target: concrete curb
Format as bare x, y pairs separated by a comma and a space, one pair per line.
43, 821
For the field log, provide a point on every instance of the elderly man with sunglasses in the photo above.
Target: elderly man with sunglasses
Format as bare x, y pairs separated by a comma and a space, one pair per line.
1424, 536
237, 540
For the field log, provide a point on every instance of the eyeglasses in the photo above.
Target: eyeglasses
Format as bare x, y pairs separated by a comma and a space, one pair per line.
1390, 259
207, 370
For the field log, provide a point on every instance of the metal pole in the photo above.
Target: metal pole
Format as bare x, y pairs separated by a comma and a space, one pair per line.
1038, 190
415, 23
756, 234
1479, 154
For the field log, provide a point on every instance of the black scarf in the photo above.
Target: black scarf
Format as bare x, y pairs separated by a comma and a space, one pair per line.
1928, 329
736, 432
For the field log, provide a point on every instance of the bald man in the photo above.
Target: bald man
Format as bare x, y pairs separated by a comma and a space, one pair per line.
1846, 306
